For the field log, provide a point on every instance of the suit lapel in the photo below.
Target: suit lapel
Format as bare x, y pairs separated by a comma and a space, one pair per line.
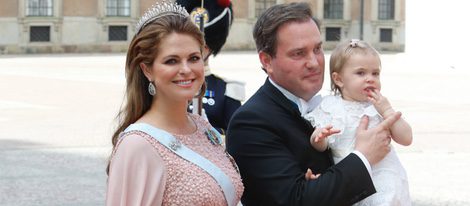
278, 98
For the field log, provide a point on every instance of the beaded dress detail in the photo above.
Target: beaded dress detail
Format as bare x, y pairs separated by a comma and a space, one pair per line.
186, 183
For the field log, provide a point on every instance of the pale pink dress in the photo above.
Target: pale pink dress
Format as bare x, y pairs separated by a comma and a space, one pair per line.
144, 172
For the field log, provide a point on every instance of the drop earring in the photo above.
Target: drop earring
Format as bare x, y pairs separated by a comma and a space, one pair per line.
152, 89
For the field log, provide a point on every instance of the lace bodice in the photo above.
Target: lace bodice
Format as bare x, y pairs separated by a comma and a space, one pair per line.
180, 182
345, 116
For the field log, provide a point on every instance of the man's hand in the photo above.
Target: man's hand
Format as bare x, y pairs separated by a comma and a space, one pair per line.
310, 176
374, 143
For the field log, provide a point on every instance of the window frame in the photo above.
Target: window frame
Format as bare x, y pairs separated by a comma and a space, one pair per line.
262, 5
118, 8
386, 10
333, 9
114, 28
33, 31
42, 8
328, 35
382, 38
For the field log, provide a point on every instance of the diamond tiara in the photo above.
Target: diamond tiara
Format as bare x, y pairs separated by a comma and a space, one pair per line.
163, 8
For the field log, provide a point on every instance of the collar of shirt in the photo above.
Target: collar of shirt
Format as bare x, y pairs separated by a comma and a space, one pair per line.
303, 106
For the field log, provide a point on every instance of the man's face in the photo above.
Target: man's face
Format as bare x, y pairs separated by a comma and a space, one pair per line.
299, 63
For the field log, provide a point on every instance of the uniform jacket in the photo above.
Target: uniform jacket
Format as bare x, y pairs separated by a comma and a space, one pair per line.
270, 142
221, 100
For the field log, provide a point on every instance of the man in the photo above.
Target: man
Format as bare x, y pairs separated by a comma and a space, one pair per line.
268, 137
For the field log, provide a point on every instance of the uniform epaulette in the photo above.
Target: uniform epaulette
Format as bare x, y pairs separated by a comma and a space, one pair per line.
235, 90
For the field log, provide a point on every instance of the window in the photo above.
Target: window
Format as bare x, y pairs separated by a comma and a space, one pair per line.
386, 9
333, 9
385, 35
117, 33
118, 7
333, 34
39, 33
39, 8
262, 5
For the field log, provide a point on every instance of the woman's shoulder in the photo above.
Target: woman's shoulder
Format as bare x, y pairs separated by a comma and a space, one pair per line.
132, 155
135, 149
134, 143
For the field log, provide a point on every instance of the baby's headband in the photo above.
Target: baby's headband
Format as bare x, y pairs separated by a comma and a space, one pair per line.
354, 43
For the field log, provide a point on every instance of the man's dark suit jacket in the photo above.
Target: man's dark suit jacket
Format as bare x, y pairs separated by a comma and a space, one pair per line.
270, 142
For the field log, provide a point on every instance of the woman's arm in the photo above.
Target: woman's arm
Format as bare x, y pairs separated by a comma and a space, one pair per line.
137, 174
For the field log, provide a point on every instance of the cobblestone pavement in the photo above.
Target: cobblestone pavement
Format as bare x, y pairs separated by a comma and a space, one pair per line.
57, 112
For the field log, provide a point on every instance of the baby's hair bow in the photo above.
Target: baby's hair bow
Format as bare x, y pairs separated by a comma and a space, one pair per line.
354, 43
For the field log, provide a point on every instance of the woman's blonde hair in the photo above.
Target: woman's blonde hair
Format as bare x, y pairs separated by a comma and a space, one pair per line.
143, 48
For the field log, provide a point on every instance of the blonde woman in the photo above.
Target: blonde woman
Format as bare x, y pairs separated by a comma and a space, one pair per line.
162, 155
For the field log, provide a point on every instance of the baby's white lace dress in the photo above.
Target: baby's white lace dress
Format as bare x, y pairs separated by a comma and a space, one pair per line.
389, 176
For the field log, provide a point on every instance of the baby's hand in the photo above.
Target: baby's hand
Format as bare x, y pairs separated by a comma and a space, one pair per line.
381, 103
322, 133
310, 176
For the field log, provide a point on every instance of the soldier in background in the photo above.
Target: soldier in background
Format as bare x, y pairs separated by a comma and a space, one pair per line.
222, 96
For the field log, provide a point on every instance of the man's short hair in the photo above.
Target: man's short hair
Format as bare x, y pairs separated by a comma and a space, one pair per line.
265, 29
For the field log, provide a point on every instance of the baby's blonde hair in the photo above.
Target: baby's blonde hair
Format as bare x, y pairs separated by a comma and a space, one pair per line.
341, 55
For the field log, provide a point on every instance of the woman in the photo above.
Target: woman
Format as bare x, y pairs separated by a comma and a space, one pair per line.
161, 154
